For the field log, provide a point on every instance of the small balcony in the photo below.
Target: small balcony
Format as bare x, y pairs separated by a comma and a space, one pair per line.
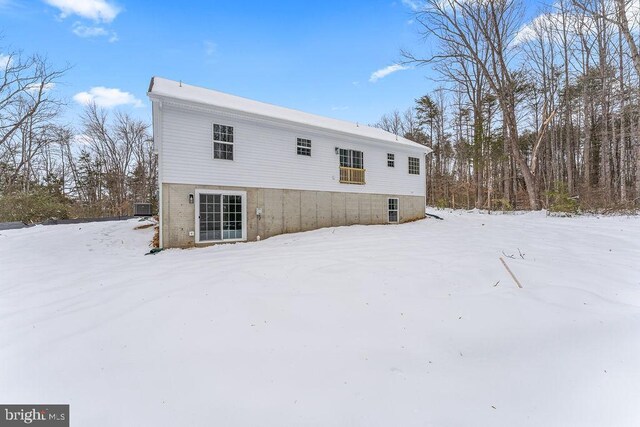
351, 175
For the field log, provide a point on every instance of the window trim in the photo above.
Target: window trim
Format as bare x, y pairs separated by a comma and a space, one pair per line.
409, 165
303, 147
243, 198
396, 210
213, 145
391, 160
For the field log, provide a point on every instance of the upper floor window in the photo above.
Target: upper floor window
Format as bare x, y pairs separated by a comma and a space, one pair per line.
351, 159
222, 142
414, 165
351, 167
304, 147
391, 160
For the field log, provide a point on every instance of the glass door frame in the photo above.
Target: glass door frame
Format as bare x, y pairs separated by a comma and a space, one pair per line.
243, 196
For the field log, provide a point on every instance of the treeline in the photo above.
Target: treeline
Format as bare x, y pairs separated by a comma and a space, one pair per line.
48, 169
543, 115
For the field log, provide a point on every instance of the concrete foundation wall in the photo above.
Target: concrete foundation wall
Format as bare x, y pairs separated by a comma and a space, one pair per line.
283, 211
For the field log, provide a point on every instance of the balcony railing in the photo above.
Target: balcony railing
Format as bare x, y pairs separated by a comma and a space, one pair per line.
351, 175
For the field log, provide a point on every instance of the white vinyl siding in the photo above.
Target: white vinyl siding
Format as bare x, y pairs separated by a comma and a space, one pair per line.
263, 155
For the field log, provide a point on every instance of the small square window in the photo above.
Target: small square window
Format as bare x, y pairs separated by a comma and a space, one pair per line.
303, 147
414, 165
391, 160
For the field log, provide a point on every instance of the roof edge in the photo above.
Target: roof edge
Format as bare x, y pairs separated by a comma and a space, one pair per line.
189, 103
158, 93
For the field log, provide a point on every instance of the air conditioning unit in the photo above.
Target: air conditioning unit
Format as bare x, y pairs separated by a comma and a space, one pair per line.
142, 209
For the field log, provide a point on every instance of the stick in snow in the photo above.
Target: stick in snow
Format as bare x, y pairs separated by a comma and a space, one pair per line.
511, 273
434, 216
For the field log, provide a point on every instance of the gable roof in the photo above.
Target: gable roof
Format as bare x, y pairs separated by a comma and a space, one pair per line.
162, 87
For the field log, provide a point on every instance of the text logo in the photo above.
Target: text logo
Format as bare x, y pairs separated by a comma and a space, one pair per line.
34, 415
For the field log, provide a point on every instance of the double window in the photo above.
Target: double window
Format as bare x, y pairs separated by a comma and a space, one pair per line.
393, 210
414, 165
303, 147
391, 160
351, 159
222, 142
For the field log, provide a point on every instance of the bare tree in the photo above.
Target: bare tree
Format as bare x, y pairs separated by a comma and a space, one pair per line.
119, 145
27, 111
455, 23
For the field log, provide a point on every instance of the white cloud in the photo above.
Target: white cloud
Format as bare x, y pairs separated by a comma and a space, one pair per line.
35, 87
384, 72
106, 97
5, 61
81, 139
525, 33
412, 4
210, 47
85, 32
543, 22
540, 24
96, 10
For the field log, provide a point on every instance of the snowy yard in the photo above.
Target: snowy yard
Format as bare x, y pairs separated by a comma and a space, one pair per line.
414, 324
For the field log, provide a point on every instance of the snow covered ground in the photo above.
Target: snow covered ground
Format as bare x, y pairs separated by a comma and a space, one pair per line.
414, 324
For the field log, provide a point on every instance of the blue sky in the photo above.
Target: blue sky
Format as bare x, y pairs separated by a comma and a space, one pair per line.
317, 57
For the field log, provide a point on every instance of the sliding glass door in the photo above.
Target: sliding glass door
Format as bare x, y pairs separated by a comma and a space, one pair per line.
210, 217
220, 216
231, 217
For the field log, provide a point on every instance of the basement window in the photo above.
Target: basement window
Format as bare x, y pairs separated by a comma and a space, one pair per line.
304, 147
414, 166
391, 160
222, 142
393, 210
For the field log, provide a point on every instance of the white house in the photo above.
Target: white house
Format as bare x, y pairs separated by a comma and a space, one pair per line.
233, 169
